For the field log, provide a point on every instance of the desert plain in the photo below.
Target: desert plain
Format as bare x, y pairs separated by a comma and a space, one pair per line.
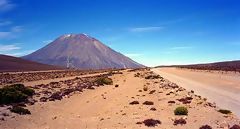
141, 98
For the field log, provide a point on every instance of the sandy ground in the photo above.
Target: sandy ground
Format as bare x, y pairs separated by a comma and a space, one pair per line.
108, 107
219, 87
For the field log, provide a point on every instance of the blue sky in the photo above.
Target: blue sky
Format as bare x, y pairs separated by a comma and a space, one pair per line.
152, 32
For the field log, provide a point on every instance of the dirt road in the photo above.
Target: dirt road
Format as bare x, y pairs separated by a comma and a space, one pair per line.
221, 88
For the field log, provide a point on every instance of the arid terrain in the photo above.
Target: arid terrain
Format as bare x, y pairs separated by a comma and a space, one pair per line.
134, 99
119, 64
33, 76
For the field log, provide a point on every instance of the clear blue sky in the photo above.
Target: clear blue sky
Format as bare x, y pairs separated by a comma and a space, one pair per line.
152, 32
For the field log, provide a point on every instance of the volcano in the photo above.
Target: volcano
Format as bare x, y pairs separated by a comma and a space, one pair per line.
81, 51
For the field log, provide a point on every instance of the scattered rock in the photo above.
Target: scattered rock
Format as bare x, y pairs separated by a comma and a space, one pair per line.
145, 88
134, 102
20, 110
43, 99
153, 109
224, 111
153, 77
235, 127
139, 123
148, 103
2, 119
5, 114
55, 117
186, 100
55, 96
205, 127
90, 87
67, 91
168, 93
152, 91
180, 121
116, 85
173, 85
172, 102
213, 105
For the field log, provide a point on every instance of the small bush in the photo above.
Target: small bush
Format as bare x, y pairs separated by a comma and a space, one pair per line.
181, 111
20, 110
104, 80
28, 91
223, 111
151, 122
15, 93
205, 127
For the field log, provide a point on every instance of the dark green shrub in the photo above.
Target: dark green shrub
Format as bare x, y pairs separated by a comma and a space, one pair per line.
14, 93
29, 91
223, 111
20, 110
181, 111
104, 80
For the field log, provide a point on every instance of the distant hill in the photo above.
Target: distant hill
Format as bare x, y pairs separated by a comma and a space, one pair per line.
223, 66
10, 63
81, 51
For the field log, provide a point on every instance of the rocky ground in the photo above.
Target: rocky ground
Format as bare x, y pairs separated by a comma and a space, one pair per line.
136, 99
16, 77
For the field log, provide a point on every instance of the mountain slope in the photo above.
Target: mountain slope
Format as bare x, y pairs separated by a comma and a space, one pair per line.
81, 51
223, 66
10, 63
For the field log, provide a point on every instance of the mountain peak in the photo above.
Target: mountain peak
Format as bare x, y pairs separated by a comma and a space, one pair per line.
75, 35
81, 51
